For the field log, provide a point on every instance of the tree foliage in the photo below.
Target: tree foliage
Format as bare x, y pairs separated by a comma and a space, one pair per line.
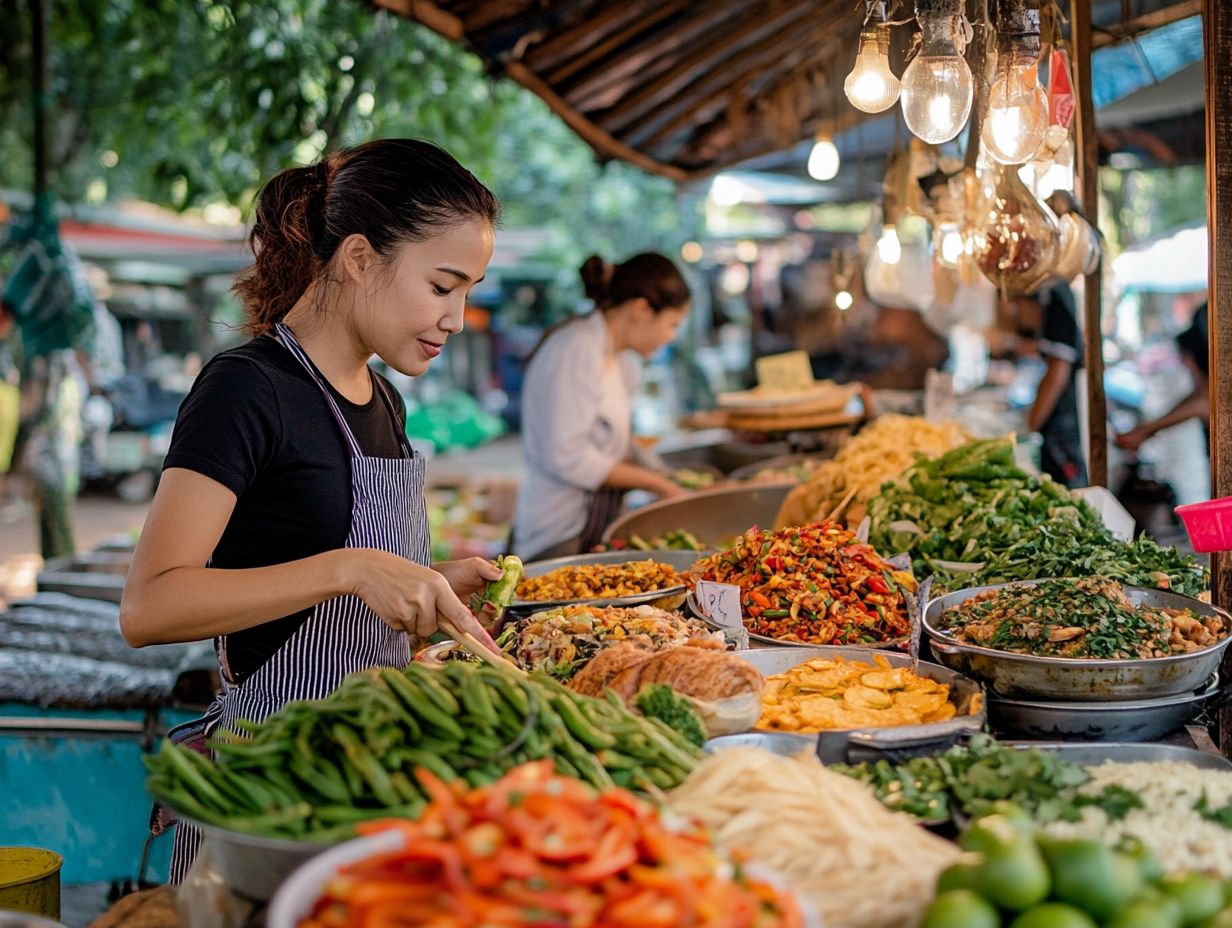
188, 103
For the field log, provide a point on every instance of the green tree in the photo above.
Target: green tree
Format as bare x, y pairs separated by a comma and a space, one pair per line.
193, 103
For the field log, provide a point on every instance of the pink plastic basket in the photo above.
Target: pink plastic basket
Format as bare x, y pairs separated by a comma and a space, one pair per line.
1209, 524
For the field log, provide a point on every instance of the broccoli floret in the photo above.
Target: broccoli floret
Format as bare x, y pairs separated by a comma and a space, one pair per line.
660, 701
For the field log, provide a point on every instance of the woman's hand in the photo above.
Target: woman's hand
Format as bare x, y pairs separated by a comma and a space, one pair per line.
468, 576
411, 598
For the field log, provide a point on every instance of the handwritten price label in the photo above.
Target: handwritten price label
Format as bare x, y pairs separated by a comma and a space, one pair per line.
790, 371
720, 603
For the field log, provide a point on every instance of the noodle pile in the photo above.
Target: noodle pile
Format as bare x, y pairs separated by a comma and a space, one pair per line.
859, 864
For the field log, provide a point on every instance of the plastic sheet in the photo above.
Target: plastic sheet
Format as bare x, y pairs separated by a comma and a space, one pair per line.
65, 651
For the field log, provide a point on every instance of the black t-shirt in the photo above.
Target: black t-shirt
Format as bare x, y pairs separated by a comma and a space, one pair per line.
1195, 340
1060, 338
256, 422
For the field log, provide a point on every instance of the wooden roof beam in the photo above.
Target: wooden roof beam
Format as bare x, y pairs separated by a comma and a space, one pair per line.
615, 41
656, 46
679, 114
574, 40
1145, 23
768, 37
429, 14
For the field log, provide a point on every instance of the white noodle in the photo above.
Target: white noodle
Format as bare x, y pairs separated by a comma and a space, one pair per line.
858, 863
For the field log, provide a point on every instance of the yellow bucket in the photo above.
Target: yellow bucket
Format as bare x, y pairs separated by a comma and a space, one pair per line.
30, 881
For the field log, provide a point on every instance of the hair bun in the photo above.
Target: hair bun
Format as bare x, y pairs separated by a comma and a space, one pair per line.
597, 279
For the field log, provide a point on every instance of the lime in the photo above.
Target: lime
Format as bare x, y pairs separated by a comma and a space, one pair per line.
1148, 864
960, 908
957, 876
1093, 877
1201, 897
1014, 875
1144, 913
1053, 915
993, 831
1222, 920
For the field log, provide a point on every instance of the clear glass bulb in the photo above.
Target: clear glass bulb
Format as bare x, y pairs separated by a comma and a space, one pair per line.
823, 162
937, 85
950, 244
1017, 114
843, 300
871, 86
889, 248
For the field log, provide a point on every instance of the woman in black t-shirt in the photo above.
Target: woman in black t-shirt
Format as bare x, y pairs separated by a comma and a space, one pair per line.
290, 523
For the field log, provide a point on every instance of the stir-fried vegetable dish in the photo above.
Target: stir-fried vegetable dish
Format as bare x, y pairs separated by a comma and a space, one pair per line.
536, 848
816, 584
561, 641
1087, 618
599, 581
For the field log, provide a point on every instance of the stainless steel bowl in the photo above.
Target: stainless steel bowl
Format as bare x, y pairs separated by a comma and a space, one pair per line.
750, 471
852, 745
1128, 720
1025, 676
253, 866
669, 598
713, 516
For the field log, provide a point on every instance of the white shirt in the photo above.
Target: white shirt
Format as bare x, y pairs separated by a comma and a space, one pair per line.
577, 407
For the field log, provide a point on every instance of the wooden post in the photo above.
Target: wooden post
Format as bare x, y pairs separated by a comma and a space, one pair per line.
1217, 33
40, 87
1088, 173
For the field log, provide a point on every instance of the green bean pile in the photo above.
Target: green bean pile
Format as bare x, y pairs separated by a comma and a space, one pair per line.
315, 769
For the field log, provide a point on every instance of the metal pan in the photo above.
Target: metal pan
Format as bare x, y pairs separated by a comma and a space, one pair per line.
1124, 721
714, 516
1025, 676
670, 598
854, 745
1092, 755
253, 866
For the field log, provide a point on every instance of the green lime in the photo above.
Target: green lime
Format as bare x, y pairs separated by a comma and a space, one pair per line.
1014, 876
1201, 897
1148, 864
1093, 877
960, 908
957, 876
1053, 915
1222, 920
993, 831
1144, 913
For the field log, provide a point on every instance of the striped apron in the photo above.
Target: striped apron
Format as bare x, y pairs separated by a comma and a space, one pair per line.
340, 635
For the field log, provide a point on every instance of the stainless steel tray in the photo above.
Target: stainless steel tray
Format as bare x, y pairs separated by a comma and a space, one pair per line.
669, 598
1092, 755
852, 745
1128, 720
253, 866
713, 516
750, 471
1025, 676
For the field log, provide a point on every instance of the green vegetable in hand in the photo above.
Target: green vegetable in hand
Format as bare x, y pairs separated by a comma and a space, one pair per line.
500, 593
660, 701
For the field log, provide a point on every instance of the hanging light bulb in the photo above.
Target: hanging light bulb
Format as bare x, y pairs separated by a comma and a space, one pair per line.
889, 248
937, 85
1017, 114
823, 161
1016, 239
843, 300
871, 86
950, 244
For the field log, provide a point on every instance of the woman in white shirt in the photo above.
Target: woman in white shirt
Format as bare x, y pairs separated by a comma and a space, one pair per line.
577, 406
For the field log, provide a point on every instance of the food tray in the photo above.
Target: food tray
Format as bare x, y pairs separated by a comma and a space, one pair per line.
758, 642
250, 865
670, 598
852, 745
714, 516
1025, 676
1092, 755
1128, 720
751, 471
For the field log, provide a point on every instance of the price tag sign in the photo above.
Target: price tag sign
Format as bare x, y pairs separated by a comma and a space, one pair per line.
789, 371
720, 603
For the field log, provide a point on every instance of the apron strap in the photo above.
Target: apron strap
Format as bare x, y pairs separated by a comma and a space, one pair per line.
287, 338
